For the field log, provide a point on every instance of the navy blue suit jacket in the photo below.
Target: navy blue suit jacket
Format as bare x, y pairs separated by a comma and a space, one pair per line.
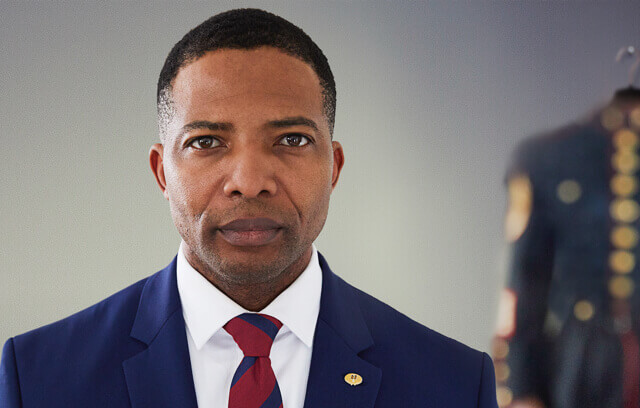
130, 350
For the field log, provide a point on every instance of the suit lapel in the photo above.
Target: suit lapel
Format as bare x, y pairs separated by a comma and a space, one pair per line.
341, 333
160, 376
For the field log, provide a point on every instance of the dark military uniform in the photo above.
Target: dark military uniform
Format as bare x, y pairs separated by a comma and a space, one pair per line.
569, 315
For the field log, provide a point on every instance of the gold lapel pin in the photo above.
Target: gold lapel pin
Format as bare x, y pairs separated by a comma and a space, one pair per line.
353, 379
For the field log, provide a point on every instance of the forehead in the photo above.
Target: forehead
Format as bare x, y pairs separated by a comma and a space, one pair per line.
264, 80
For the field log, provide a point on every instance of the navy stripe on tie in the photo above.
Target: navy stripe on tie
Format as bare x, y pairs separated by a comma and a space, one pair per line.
261, 323
245, 365
274, 400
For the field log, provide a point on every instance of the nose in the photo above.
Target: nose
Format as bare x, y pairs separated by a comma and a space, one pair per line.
251, 175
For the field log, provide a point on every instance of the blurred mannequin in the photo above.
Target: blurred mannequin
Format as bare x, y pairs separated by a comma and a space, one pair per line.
569, 316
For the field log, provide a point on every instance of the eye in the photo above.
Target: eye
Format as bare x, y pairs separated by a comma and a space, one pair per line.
294, 140
204, 142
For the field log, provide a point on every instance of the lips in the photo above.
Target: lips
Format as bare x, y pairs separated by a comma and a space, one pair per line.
250, 231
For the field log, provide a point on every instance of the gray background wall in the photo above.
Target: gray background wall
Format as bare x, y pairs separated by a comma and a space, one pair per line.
432, 98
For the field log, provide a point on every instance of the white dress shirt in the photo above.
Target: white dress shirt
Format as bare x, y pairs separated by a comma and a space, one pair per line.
214, 354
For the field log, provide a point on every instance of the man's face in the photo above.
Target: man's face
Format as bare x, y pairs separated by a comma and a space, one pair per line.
247, 164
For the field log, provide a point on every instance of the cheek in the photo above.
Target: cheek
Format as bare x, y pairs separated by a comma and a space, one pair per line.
315, 215
314, 190
188, 191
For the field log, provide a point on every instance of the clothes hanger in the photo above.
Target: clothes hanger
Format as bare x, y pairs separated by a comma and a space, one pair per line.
631, 94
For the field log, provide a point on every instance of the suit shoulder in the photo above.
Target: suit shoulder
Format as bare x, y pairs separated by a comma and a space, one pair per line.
83, 351
402, 344
387, 325
112, 313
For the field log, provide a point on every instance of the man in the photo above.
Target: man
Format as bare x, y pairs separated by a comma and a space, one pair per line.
249, 313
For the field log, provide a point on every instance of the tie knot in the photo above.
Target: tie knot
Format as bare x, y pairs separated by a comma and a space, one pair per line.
254, 333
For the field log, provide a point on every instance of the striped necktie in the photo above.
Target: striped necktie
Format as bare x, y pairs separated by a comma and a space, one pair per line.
254, 384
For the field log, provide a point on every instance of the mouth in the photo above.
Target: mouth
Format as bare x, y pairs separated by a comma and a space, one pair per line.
250, 231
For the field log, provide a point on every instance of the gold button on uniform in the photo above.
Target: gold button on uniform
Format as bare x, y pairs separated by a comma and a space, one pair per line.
624, 210
624, 185
353, 379
634, 118
569, 191
624, 237
625, 162
502, 371
612, 118
622, 261
625, 139
620, 287
583, 310
504, 396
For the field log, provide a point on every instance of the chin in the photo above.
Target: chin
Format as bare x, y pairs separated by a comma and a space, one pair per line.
228, 257
251, 272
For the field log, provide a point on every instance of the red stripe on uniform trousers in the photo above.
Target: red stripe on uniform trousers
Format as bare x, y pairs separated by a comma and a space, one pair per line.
631, 369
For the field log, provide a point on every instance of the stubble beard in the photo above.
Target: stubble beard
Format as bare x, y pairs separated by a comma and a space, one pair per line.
255, 275
237, 270
250, 269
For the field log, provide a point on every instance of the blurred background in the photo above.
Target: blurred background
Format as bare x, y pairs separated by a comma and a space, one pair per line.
432, 98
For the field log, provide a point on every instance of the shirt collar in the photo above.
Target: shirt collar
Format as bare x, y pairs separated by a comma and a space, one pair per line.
206, 309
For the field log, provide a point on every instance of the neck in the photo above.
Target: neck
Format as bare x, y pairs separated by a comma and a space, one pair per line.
255, 296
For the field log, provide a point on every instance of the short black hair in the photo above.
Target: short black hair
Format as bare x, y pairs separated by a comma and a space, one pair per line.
244, 29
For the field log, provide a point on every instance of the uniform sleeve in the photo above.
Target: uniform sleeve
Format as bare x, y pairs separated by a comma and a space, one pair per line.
9, 385
519, 345
487, 394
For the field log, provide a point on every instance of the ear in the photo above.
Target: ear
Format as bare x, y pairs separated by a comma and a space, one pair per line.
338, 162
157, 167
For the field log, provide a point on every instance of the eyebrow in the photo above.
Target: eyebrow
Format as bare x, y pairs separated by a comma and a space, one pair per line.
205, 124
293, 121
226, 126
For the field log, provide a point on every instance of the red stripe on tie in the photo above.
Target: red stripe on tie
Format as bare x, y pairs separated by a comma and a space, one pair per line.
254, 387
251, 340
258, 384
